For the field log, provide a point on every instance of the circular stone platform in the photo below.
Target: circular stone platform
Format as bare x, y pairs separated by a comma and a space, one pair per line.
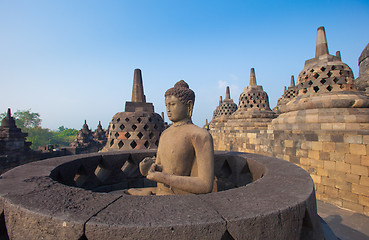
80, 197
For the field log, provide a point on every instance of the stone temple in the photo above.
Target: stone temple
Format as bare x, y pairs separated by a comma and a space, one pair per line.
321, 124
138, 127
13, 145
225, 108
321, 130
88, 141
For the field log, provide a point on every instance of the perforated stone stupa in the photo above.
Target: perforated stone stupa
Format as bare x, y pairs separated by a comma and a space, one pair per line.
253, 108
326, 93
100, 135
12, 139
84, 137
139, 127
362, 82
288, 94
224, 110
227, 107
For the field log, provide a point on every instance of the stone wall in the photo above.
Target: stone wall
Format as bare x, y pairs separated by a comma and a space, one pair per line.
337, 160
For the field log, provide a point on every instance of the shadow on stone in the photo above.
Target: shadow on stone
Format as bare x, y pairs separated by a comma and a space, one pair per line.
227, 236
3, 230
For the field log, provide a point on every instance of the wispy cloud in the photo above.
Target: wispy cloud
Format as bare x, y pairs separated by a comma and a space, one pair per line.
222, 84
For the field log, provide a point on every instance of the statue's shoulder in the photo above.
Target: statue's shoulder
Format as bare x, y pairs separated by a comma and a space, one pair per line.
199, 132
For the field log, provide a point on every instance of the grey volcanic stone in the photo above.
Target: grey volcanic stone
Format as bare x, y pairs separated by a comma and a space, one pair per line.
164, 217
254, 206
41, 208
278, 204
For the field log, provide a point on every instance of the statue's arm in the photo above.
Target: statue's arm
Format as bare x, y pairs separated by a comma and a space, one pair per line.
203, 183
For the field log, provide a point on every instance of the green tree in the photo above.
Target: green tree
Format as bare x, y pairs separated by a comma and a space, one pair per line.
30, 123
64, 136
39, 137
25, 119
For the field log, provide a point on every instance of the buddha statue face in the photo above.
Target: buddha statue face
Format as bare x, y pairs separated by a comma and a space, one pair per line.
176, 110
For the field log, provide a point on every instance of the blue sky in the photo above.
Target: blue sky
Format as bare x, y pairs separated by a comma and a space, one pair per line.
74, 60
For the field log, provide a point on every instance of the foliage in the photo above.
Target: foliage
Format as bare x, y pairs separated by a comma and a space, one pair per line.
64, 136
25, 119
39, 137
30, 123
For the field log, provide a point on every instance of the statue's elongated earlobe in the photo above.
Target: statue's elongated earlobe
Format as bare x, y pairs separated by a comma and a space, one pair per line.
190, 108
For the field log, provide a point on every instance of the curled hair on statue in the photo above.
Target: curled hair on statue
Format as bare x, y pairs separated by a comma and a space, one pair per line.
182, 91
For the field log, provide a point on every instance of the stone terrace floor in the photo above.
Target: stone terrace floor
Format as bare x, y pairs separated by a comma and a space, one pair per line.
345, 224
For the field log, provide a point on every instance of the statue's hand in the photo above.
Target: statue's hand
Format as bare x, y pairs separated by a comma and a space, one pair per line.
155, 173
145, 165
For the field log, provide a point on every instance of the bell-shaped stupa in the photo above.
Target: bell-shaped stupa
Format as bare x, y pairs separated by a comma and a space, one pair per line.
288, 94
362, 82
253, 108
138, 127
228, 106
12, 139
223, 111
325, 92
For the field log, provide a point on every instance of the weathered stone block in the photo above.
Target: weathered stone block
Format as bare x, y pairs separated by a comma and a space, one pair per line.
366, 139
322, 172
311, 137
353, 206
337, 157
353, 178
358, 149
352, 159
348, 196
317, 146
342, 147
343, 167
317, 163
364, 181
355, 139
360, 189
290, 151
342, 185
326, 181
324, 156
337, 138
329, 165
331, 191
359, 170
305, 161
301, 153
306, 145
288, 143
324, 138
326, 126
364, 200
313, 154
364, 160
328, 146
339, 126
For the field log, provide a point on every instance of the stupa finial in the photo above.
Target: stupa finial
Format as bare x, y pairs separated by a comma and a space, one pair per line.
321, 43
338, 54
8, 115
137, 90
252, 77
220, 100
228, 95
292, 81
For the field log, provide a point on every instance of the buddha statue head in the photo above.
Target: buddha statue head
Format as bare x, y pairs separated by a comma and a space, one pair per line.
179, 102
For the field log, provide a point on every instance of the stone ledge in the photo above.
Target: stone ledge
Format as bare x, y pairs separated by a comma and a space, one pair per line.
280, 205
